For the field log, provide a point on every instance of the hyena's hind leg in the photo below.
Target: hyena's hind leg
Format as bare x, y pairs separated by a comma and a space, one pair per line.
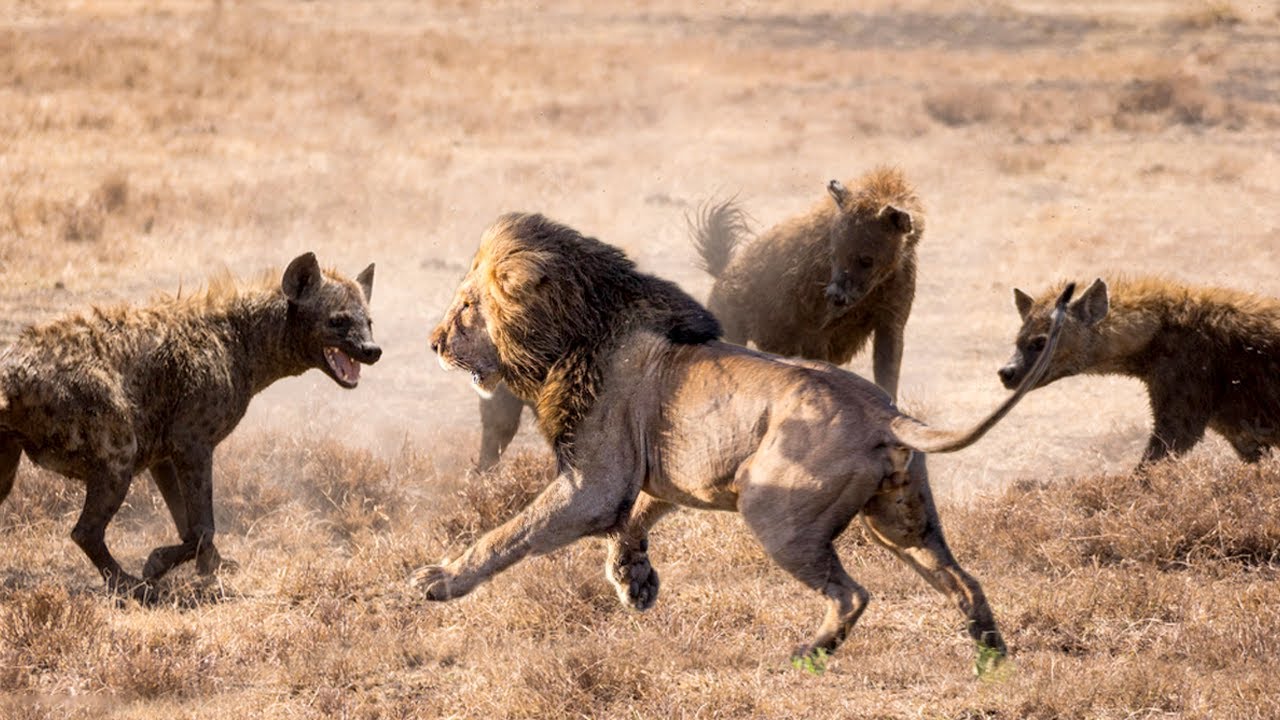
10, 455
104, 493
627, 564
903, 519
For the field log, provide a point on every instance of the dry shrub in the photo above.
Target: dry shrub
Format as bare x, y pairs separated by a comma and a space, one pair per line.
1019, 161
156, 662
44, 630
1172, 98
962, 105
1209, 14
488, 499
82, 223
40, 495
1178, 514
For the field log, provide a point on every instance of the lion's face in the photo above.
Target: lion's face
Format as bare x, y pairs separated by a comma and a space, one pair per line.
463, 339
504, 286
864, 251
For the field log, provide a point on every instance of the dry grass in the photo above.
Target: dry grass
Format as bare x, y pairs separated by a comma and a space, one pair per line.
1119, 597
145, 145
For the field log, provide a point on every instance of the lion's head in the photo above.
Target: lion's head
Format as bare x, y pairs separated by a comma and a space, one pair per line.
542, 304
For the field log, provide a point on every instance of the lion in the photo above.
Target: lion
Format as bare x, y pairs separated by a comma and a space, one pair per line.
1209, 357
641, 424
820, 284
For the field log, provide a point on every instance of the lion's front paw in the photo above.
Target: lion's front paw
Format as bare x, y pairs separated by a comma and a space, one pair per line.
436, 582
635, 581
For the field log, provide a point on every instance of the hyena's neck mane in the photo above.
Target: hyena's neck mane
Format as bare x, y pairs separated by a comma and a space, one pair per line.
1146, 312
256, 321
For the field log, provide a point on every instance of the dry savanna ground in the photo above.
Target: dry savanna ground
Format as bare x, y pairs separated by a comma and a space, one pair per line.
146, 146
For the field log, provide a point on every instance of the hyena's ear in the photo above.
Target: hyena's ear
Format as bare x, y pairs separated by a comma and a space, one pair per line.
1023, 302
517, 274
1092, 305
839, 193
301, 277
899, 220
365, 279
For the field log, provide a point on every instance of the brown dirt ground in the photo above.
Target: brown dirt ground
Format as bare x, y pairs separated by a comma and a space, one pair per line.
147, 146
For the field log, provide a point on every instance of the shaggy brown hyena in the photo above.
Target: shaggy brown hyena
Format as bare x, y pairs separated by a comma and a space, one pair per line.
105, 395
1210, 357
819, 284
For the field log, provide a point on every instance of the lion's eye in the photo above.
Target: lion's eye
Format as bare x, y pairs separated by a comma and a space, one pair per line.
866, 261
1037, 344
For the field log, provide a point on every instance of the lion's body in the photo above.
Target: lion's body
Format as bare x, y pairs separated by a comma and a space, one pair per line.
797, 447
105, 395
776, 291
1209, 357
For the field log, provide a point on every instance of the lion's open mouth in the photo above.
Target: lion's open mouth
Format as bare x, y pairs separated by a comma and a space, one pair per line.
481, 382
344, 368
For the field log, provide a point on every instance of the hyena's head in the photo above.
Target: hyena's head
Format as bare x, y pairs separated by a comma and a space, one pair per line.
1079, 346
329, 318
866, 246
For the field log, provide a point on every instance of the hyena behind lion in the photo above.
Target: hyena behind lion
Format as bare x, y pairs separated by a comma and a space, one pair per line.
104, 395
1209, 357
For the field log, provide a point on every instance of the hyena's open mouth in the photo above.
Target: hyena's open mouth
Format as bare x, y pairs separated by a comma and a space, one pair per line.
344, 368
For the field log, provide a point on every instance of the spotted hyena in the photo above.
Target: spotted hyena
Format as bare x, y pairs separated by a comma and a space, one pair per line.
1210, 357
819, 285
104, 395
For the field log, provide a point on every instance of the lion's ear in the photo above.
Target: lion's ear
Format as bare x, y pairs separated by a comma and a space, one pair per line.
519, 273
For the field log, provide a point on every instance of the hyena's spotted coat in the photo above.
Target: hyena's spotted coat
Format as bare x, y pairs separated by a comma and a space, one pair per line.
102, 396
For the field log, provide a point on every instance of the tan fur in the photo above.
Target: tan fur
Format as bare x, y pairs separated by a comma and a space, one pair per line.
797, 447
801, 288
106, 394
1210, 357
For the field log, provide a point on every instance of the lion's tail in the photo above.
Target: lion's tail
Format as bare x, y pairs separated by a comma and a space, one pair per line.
716, 229
921, 437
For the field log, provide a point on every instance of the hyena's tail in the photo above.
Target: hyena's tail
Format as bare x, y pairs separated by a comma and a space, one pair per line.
921, 437
716, 228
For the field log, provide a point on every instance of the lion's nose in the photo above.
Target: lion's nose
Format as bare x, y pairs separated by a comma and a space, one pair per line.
437, 340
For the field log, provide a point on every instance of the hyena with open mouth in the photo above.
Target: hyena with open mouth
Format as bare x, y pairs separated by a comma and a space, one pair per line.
104, 395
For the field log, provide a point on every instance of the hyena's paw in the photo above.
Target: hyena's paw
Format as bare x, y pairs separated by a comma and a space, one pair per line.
634, 579
127, 587
211, 561
436, 582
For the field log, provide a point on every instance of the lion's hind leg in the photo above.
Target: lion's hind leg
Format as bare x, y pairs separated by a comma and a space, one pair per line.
796, 523
903, 519
627, 564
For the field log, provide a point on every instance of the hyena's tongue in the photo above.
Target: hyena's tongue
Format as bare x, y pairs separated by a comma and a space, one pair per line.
342, 365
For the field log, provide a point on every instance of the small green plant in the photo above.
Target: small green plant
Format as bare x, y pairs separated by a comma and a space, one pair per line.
813, 662
991, 663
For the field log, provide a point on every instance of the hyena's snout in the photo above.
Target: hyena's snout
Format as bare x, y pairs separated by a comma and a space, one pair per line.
1012, 372
840, 291
368, 352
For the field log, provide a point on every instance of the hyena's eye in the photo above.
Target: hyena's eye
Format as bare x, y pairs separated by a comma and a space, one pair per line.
866, 261
340, 322
1037, 343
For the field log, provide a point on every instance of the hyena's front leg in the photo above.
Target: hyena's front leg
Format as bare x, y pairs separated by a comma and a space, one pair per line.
191, 482
627, 564
570, 508
887, 357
